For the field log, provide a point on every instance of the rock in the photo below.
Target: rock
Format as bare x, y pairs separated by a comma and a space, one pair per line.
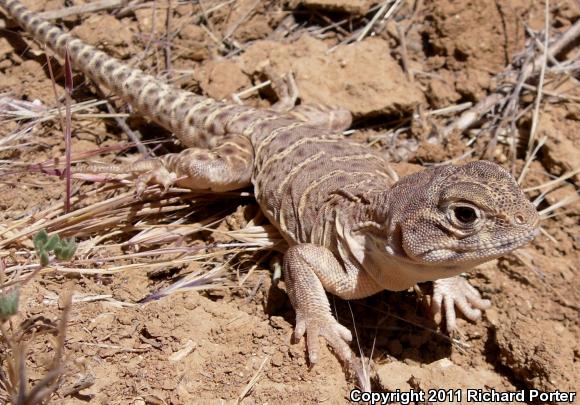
442, 374
361, 77
539, 352
220, 79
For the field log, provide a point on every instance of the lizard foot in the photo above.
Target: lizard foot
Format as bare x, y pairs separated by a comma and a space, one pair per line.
332, 118
159, 175
337, 336
449, 293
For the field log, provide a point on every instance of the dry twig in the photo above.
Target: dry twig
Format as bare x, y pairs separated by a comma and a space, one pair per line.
468, 118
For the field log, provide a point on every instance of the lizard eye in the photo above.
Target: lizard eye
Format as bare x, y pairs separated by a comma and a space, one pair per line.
465, 214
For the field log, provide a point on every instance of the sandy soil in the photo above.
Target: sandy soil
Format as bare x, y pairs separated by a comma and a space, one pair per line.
206, 346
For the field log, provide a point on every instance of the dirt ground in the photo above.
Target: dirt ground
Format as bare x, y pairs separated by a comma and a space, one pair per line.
229, 339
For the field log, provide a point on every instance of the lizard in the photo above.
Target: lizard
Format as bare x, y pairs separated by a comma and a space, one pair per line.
352, 226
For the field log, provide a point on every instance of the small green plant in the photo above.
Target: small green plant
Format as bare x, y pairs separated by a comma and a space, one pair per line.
64, 249
9, 303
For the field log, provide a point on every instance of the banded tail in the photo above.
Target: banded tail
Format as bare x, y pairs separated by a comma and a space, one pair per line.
188, 115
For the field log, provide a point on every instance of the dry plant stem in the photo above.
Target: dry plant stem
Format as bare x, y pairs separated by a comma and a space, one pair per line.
53, 81
319, 32
131, 7
62, 326
535, 119
362, 366
72, 216
337, 24
49, 382
531, 157
562, 203
560, 96
47, 214
168, 36
472, 115
404, 56
91, 7
122, 123
383, 10
23, 281
67, 131
468, 118
9, 341
555, 182
253, 381
48, 114
240, 21
510, 114
151, 38
208, 21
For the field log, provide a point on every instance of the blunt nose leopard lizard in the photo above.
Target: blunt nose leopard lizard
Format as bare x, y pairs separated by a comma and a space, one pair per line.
353, 228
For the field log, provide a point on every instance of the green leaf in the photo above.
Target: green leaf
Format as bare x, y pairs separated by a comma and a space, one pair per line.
52, 242
67, 251
40, 239
44, 259
9, 303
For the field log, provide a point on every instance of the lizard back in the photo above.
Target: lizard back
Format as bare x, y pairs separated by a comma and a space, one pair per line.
301, 173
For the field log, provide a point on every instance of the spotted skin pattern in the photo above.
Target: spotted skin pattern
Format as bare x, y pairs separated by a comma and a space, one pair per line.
353, 227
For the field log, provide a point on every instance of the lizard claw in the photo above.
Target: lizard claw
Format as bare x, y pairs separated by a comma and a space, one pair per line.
333, 332
159, 175
449, 293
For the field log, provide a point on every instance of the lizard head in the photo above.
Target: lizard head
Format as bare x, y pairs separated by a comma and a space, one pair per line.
463, 215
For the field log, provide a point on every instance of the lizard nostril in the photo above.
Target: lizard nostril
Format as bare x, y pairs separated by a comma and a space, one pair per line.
519, 219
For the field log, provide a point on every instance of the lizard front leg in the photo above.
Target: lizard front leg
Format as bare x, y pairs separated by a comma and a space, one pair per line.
452, 292
309, 270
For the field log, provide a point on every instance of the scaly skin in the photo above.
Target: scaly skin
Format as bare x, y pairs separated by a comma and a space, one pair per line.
352, 227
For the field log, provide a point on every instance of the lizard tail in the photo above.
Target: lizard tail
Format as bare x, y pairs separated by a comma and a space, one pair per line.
186, 114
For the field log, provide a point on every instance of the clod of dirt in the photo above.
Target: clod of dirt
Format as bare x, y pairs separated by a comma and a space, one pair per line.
344, 6
472, 83
362, 77
194, 43
107, 33
442, 374
441, 90
150, 20
539, 352
220, 79
250, 20
479, 34
23, 83
560, 153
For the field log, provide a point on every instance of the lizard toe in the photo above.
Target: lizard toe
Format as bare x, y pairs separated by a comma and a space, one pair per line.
159, 175
299, 330
337, 336
453, 293
471, 313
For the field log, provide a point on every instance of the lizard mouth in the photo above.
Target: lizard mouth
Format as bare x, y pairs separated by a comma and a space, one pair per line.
477, 251
507, 244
